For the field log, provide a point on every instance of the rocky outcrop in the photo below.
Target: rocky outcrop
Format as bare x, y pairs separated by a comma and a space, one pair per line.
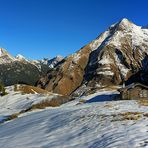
68, 75
110, 59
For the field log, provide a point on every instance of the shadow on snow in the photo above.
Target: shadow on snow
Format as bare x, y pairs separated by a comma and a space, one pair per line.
102, 98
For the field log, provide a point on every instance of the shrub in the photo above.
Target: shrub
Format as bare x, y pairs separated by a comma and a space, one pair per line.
82, 101
2, 90
143, 102
146, 114
15, 87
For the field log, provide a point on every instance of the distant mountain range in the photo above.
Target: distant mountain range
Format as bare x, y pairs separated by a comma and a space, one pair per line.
113, 58
20, 70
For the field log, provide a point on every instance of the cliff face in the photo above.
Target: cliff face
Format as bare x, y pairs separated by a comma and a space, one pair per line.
110, 59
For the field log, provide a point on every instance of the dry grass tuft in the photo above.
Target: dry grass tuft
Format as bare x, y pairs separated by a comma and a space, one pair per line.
108, 105
112, 87
127, 116
131, 115
145, 115
10, 117
55, 102
45, 103
13, 116
82, 101
143, 102
27, 89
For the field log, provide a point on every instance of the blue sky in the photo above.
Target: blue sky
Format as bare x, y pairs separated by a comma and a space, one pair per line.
45, 28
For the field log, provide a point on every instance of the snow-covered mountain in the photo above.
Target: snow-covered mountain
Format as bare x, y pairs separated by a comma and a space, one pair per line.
50, 62
5, 57
20, 57
53, 62
21, 70
96, 118
110, 59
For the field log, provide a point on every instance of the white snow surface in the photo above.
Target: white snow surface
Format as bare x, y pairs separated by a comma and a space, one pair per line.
107, 73
97, 42
121, 67
94, 124
1, 52
105, 60
15, 102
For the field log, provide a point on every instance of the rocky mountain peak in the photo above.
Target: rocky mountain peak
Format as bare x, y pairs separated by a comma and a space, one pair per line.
54, 61
125, 23
5, 57
59, 57
112, 58
3, 52
20, 57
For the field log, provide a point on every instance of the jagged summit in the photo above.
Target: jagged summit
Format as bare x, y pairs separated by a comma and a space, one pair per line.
53, 62
5, 57
125, 21
3, 52
20, 57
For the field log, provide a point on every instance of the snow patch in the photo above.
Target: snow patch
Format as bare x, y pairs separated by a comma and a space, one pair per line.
105, 60
108, 73
121, 67
76, 57
96, 43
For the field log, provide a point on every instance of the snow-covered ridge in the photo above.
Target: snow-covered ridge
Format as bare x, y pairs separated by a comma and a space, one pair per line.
6, 58
139, 36
17, 101
20, 57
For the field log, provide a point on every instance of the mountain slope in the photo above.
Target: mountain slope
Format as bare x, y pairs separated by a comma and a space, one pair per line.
110, 59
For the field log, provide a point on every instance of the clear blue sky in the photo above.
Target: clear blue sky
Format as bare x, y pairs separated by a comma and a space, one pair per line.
45, 28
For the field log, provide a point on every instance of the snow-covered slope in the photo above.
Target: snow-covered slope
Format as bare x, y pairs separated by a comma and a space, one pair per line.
98, 123
18, 101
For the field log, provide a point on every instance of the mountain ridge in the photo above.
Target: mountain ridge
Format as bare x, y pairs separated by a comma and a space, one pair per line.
110, 59
18, 69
